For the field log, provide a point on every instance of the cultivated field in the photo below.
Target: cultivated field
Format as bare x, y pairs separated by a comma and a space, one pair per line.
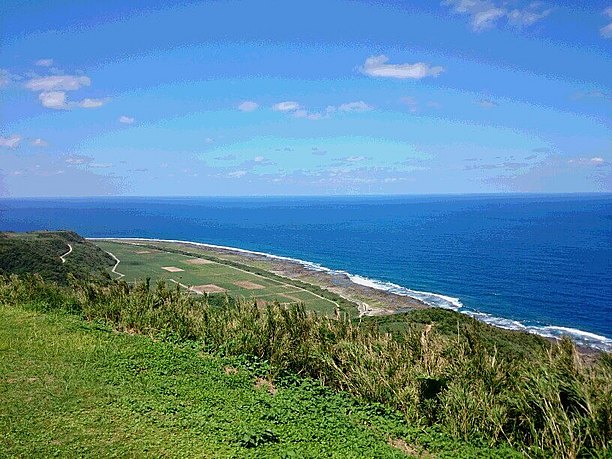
202, 275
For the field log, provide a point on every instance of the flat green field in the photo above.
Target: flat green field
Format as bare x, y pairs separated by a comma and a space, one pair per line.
204, 275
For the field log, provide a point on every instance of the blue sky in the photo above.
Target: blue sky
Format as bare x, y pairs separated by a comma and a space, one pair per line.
304, 98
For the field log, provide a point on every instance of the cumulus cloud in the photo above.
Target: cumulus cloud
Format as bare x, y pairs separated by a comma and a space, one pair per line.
57, 83
53, 99
10, 142
44, 62
248, 106
57, 100
486, 14
287, 106
377, 66
359, 106
39, 143
126, 119
91, 103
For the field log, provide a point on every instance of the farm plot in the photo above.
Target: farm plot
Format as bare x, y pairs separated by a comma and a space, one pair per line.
205, 276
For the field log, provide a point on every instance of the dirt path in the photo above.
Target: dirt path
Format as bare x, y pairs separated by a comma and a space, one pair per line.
63, 257
116, 264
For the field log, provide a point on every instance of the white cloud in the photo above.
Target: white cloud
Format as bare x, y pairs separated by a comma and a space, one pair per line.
486, 19
91, 103
248, 106
259, 159
608, 12
39, 143
376, 66
307, 115
44, 62
58, 83
487, 103
527, 17
209, 140
10, 142
359, 106
53, 99
126, 119
595, 161
101, 165
76, 160
485, 14
287, 106
57, 100
606, 31
237, 174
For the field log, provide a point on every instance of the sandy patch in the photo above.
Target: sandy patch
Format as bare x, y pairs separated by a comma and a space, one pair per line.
249, 285
142, 252
209, 288
172, 269
198, 261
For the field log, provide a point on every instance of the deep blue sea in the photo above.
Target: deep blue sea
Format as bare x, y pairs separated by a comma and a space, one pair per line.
536, 262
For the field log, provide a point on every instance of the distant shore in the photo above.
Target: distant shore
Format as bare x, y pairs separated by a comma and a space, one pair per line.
370, 299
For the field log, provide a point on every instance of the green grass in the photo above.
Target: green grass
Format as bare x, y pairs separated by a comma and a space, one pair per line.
137, 266
438, 390
71, 388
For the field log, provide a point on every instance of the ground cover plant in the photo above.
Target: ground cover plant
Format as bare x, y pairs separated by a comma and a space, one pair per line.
549, 403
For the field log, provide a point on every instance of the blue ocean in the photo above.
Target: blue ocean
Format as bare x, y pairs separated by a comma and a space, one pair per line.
541, 263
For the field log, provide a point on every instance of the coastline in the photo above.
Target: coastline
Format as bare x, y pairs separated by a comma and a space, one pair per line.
373, 297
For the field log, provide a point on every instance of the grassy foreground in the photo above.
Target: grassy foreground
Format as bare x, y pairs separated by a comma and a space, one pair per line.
417, 387
72, 388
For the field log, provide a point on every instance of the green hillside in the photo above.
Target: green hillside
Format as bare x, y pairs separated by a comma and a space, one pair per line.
40, 252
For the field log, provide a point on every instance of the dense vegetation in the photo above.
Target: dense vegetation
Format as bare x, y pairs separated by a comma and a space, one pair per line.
470, 384
39, 252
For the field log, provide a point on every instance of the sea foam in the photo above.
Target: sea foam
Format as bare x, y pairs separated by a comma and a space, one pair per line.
437, 300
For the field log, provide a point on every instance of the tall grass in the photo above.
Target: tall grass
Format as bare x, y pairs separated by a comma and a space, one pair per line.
551, 404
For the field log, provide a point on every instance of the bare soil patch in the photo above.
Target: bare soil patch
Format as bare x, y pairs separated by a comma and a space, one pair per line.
209, 288
409, 449
142, 252
199, 261
249, 285
172, 269
266, 384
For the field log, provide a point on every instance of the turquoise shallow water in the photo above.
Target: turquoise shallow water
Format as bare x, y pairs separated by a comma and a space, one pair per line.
536, 262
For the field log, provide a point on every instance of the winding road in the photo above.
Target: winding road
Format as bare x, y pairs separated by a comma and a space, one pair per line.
63, 257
